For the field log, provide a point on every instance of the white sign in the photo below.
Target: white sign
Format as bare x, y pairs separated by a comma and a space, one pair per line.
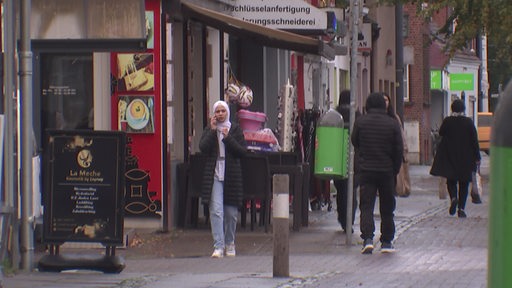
283, 14
364, 43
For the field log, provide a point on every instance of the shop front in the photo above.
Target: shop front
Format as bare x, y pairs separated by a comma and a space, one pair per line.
215, 47
157, 90
136, 108
99, 74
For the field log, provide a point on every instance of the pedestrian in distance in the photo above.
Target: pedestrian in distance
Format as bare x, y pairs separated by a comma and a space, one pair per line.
405, 182
457, 156
342, 184
223, 143
378, 140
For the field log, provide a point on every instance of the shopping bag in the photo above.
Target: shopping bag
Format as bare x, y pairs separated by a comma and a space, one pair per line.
443, 190
403, 182
476, 188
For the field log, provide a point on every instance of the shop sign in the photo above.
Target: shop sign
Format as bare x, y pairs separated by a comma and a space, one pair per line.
462, 81
86, 20
99, 25
84, 183
364, 42
284, 14
435, 79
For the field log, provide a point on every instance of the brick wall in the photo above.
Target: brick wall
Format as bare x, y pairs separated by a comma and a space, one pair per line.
417, 109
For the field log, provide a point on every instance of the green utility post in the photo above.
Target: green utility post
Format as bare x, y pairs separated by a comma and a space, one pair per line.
500, 207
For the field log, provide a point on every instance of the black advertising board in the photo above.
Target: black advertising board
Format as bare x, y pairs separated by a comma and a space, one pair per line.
84, 186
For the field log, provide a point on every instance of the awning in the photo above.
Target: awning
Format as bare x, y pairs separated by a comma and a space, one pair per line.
257, 33
86, 26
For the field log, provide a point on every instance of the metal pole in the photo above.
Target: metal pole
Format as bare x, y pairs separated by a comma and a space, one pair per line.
10, 167
485, 75
27, 230
353, 94
399, 44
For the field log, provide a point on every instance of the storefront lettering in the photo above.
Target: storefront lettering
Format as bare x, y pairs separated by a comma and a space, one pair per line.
284, 15
84, 176
84, 198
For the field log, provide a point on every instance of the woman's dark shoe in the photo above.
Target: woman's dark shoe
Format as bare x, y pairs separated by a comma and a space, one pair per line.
345, 230
461, 213
476, 199
453, 206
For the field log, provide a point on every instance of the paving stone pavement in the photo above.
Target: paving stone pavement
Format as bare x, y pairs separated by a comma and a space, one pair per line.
433, 250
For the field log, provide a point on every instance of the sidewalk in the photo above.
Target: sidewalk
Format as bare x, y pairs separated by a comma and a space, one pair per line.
433, 250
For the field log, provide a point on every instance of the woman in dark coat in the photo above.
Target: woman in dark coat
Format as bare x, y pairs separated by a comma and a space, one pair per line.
222, 189
342, 184
404, 169
457, 156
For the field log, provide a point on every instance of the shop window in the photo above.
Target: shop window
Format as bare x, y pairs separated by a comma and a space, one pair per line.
66, 91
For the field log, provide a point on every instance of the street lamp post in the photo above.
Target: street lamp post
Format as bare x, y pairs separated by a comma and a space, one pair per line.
354, 8
27, 230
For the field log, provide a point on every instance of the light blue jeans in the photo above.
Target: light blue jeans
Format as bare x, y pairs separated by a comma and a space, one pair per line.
223, 218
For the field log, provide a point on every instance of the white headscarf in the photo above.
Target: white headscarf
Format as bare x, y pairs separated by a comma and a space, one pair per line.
220, 167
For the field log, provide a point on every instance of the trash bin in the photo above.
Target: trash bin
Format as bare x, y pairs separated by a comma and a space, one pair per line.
331, 147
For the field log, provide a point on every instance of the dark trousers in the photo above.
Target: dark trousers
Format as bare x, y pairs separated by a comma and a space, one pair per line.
383, 184
462, 191
341, 200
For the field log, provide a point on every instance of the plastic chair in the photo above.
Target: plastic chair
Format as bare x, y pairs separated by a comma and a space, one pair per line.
256, 183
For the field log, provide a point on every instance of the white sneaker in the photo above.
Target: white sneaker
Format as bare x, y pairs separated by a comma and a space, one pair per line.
387, 247
230, 250
367, 246
218, 253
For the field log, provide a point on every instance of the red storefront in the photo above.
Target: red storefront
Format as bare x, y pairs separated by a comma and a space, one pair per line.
136, 108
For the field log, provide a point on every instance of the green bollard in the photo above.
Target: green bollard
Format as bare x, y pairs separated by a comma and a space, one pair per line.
500, 208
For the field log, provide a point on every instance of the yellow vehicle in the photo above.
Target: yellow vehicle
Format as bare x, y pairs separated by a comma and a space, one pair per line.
484, 130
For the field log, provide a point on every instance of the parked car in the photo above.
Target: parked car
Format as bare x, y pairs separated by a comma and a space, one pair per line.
484, 130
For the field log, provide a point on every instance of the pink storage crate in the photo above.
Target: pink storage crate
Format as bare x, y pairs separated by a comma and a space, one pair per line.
263, 136
251, 121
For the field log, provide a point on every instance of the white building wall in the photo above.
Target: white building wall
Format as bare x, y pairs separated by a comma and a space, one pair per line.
471, 102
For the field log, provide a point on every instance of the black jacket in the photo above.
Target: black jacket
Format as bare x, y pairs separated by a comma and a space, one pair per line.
235, 149
378, 140
458, 152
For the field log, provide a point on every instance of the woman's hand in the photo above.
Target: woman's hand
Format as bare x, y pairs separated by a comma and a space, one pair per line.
213, 123
225, 132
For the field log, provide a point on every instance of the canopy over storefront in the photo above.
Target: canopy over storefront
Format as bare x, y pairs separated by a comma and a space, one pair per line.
260, 34
88, 26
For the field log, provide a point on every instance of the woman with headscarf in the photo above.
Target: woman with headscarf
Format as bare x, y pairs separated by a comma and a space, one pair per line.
403, 182
457, 156
223, 143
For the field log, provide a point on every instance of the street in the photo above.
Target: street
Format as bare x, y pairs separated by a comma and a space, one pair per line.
433, 250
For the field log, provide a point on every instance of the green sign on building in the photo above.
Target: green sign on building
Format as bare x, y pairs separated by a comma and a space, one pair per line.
435, 79
462, 81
